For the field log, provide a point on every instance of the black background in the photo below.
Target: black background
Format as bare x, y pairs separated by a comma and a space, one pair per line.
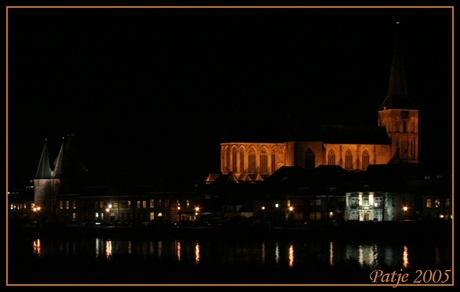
150, 92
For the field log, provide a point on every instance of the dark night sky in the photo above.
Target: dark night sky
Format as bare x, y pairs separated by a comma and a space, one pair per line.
153, 91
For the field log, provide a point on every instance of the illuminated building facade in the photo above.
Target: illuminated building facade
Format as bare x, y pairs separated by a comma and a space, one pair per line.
395, 139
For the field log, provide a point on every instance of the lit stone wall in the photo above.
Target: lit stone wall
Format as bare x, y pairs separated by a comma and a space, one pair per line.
356, 156
402, 127
252, 158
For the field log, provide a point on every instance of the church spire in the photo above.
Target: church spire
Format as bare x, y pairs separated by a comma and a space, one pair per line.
59, 161
397, 97
44, 170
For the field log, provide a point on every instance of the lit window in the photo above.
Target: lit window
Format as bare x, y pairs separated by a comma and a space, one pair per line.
234, 160
365, 159
252, 161
437, 203
428, 203
263, 161
331, 158
348, 160
241, 169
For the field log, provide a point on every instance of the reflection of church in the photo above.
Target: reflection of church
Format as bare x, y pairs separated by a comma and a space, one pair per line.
354, 148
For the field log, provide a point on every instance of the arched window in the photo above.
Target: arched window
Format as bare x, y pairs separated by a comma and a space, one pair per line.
252, 161
348, 160
227, 159
273, 161
263, 161
331, 157
309, 159
365, 159
241, 159
234, 160
224, 159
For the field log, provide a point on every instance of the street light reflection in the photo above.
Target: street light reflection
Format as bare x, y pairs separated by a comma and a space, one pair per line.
37, 247
197, 253
291, 256
406, 257
178, 250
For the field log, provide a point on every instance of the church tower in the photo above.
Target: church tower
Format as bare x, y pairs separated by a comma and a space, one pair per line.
43, 176
398, 114
48, 181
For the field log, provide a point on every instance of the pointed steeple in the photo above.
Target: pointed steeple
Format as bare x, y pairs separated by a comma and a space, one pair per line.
397, 97
44, 170
59, 161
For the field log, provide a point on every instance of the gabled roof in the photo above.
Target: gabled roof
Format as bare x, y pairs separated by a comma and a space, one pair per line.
244, 177
287, 174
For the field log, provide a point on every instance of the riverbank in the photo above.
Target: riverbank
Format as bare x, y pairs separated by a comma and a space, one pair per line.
359, 231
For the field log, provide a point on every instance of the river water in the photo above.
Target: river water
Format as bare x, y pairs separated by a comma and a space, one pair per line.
98, 260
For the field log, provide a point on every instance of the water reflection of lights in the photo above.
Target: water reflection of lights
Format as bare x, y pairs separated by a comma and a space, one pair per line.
437, 253
405, 257
37, 247
277, 252
130, 247
360, 255
103, 247
331, 254
376, 255
97, 247
364, 254
178, 249
263, 252
197, 252
291, 256
108, 249
160, 248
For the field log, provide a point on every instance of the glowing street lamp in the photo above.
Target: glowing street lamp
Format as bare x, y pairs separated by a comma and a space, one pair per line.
405, 212
108, 211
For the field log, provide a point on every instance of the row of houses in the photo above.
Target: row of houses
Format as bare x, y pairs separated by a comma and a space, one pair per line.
291, 196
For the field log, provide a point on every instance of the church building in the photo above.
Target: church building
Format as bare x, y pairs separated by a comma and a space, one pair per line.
393, 140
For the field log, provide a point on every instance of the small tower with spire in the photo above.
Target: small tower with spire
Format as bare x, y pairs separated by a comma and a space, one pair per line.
398, 114
42, 176
66, 167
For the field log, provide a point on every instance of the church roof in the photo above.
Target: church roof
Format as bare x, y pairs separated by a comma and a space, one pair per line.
335, 134
346, 134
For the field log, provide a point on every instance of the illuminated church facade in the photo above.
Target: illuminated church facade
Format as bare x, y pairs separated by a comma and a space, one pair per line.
395, 139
